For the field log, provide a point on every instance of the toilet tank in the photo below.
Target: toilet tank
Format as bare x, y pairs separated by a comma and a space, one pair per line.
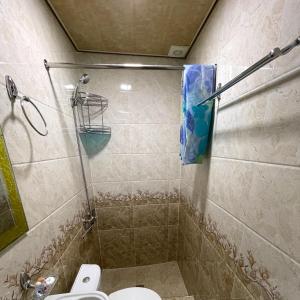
87, 279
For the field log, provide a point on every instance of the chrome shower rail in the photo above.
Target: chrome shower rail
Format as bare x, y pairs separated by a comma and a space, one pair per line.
49, 65
276, 52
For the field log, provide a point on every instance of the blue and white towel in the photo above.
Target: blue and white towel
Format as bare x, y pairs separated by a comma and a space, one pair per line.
199, 82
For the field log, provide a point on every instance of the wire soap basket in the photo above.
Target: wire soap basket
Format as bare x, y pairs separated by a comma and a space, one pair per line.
90, 108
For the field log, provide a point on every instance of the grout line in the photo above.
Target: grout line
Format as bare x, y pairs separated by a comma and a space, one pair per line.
42, 161
133, 181
54, 212
167, 153
145, 124
67, 278
256, 233
136, 227
98, 235
261, 87
69, 246
257, 162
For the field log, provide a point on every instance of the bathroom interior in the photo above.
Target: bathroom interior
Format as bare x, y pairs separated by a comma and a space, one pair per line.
150, 149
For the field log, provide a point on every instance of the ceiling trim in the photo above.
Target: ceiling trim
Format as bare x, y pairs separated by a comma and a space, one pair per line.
62, 25
201, 27
128, 53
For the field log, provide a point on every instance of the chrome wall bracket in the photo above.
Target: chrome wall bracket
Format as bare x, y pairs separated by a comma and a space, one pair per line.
13, 94
11, 88
46, 65
218, 88
88, 222
89, 219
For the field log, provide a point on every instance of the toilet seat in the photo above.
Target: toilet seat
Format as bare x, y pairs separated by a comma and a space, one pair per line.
134, 293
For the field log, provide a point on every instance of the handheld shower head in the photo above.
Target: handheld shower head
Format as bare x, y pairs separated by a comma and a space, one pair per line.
84, 78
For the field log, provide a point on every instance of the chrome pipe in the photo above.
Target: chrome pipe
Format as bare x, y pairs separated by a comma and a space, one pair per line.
275, 53
49, 65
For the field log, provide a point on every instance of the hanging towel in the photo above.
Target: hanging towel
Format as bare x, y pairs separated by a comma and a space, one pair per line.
199, 82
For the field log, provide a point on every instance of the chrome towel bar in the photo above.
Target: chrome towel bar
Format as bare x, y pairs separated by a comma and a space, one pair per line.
276, 52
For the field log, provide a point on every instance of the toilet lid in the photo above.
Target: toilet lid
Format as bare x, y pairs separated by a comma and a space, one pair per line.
134, 293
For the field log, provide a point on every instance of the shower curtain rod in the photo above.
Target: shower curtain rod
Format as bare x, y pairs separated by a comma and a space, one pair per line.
275, 53
49, 65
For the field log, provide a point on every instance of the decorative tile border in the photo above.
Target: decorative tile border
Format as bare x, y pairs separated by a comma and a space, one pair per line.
138, 198
48, 258
110, 199
247, 268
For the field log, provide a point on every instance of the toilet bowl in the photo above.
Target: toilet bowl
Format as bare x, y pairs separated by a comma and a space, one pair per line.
88, 279
134, 293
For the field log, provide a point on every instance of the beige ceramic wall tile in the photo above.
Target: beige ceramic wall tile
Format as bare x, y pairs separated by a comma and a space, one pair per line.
41, 248
147, 108
150, 215
47, 169
149, 167
71, 261
33, 80
60, 141
235, 173
173, 214
158, 82
110, 167
262, 127
260, 196
174, 190
151, 245
228, 230
119, 111
150, 192
239, 291
246, 31
118, 143
41, 183
117, 248
276, 268
114, 217
80, 251
112, 193
149, 138
173, 242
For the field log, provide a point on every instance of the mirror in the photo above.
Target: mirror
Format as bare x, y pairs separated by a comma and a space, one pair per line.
12, 218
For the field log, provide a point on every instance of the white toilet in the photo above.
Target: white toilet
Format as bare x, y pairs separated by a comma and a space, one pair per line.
88, 280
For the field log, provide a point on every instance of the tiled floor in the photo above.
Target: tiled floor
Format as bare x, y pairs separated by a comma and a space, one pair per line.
163, 278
